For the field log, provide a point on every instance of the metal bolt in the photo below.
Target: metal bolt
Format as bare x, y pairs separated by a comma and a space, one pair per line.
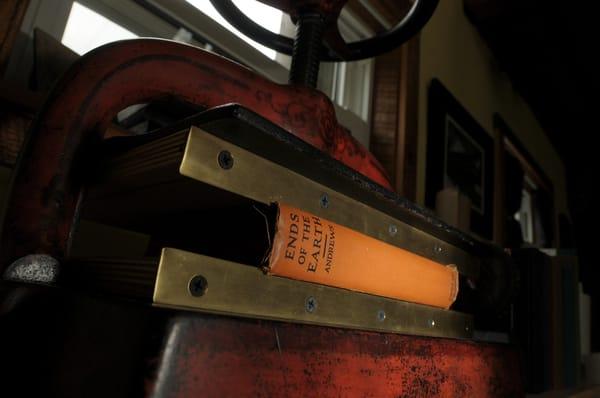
311, 304
437, 248
393, 230
431, 323
198, 285
307, 49
225, 160
324, 201
381, 315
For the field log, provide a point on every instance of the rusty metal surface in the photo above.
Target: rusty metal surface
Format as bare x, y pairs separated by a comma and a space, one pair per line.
112, 77
75, 345
225, 357
209, 355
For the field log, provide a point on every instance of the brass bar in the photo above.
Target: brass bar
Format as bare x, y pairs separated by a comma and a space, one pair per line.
194, 282
254, 177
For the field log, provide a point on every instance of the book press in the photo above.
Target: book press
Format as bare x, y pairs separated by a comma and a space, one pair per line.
279, 261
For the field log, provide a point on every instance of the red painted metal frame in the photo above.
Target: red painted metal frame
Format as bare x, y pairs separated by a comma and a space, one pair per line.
218, 356
45, 196
226, 357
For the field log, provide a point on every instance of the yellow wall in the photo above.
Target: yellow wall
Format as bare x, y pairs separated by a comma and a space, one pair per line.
453, 51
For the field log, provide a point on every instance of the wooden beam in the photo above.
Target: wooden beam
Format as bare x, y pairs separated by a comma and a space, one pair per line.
406, 143
394, 122
11, 17
386, 83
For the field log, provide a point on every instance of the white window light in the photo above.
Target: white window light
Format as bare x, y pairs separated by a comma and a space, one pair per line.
348, 85
268, 17
86, 30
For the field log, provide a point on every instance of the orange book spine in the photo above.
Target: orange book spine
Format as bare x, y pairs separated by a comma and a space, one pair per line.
309, 248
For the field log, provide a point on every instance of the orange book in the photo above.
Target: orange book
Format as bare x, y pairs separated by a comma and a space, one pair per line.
309, 248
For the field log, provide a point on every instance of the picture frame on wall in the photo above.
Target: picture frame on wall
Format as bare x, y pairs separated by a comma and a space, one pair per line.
460, 155
527, 191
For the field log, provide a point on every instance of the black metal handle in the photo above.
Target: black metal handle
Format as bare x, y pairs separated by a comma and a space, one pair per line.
420, 12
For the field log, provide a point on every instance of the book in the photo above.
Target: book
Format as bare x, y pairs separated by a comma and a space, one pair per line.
570, 309
312, 249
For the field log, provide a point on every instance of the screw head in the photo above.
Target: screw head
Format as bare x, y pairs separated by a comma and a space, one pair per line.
225, 160
381, 315
324, 200
393, 230
198, 285
431, 323
437, 248
311, 304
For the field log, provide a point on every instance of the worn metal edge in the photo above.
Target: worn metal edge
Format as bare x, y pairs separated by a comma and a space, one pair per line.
239, 290
264, 181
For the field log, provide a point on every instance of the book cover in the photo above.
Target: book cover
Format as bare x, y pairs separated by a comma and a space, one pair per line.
312, 249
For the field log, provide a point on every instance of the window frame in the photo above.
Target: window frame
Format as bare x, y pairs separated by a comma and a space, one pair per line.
141, 17
534, 180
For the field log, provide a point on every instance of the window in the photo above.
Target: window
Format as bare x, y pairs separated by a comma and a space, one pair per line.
526, 199
270, 18
525, 213
86, 30
535, 213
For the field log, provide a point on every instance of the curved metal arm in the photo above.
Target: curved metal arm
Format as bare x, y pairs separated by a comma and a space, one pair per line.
415, 19
411, 24
45, 195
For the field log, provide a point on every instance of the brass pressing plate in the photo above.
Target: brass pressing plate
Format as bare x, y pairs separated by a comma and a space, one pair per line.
259, 179
195, 282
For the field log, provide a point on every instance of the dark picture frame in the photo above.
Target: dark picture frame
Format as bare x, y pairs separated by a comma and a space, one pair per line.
543, 198
460, 154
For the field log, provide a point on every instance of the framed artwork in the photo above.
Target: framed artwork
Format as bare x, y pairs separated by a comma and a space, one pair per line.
528, 192
460, 154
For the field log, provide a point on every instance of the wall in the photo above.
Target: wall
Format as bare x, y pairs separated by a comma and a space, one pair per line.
452, 51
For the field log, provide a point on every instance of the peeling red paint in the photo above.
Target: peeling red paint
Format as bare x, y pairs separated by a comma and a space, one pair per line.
226, 357
215, 356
